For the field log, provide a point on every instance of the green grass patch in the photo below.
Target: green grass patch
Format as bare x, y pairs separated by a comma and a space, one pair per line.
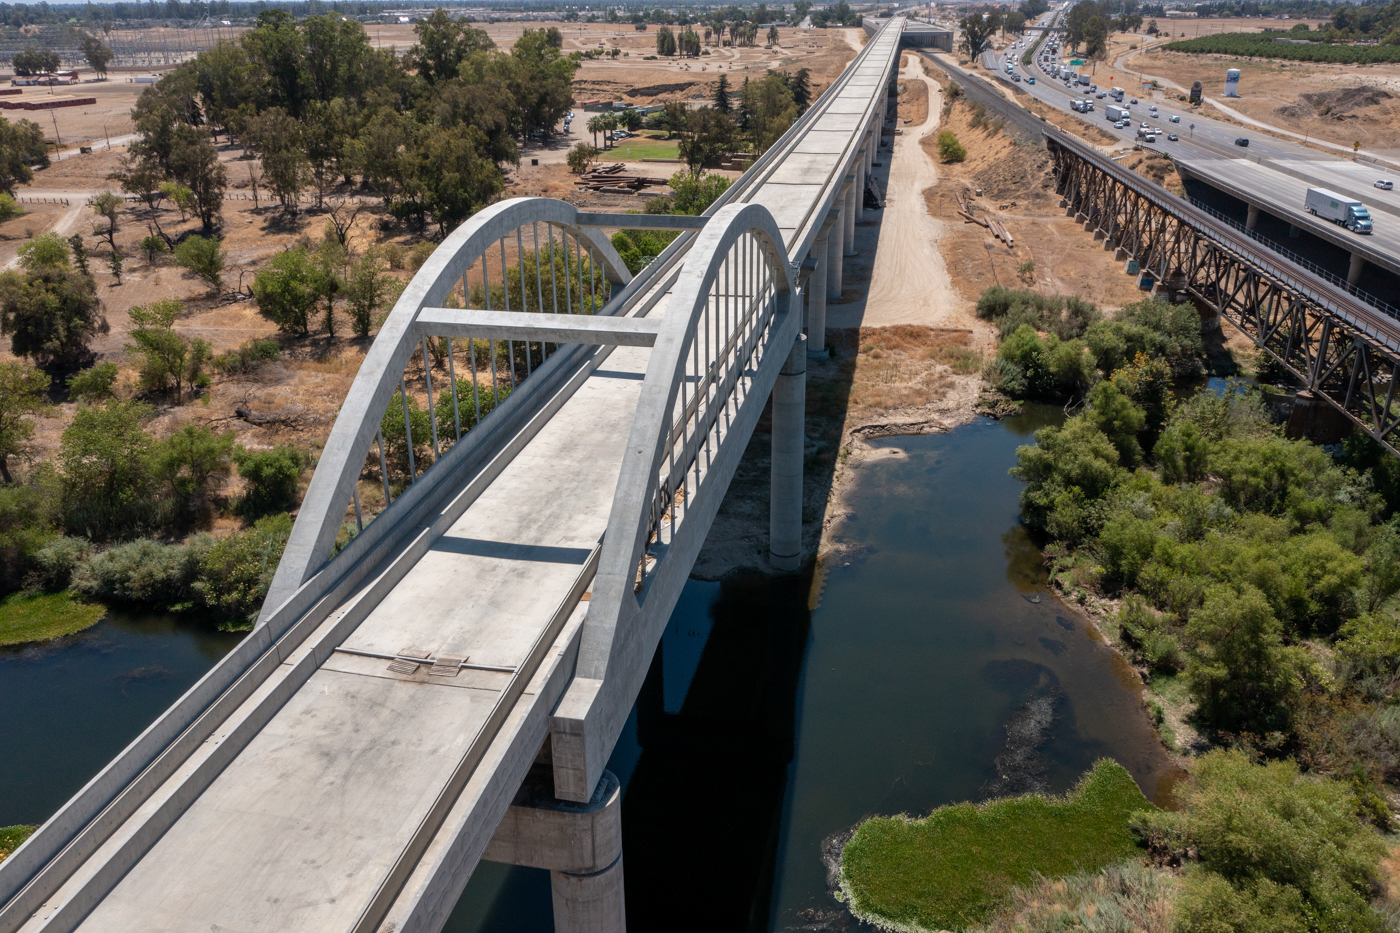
952, 868
641, 147
26, 618
11, 837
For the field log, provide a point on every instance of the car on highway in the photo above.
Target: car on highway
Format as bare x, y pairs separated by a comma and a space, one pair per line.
1132, 100
1144, 126
1100, 95
1031, 80
1176, 119
1153, 108
1242, 142
1172, 137
1122, 124
1016, 78
1385, 184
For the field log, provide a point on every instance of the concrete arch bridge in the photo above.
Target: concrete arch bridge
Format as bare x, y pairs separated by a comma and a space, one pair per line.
447, 685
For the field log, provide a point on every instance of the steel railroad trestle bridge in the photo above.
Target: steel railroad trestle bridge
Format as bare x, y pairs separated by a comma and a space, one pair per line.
449, 685
1337, 346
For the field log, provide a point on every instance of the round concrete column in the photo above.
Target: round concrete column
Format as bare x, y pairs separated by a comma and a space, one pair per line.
594, 901
785, 499
860, 186
1358, 262
834, 253
1252, 218
816, 295
852, 196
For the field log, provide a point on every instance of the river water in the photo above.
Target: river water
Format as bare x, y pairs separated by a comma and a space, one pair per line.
776, 715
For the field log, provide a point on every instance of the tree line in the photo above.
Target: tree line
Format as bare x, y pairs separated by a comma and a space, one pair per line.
429, 132
1255, 572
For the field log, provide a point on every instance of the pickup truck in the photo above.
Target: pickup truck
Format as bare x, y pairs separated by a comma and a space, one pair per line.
1339, 209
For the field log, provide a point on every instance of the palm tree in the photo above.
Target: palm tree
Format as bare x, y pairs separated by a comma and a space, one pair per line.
595, 126
609, 122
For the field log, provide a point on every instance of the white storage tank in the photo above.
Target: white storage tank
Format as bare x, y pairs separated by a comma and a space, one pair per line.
1232, 83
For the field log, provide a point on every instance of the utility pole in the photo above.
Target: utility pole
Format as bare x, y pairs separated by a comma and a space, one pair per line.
58, 140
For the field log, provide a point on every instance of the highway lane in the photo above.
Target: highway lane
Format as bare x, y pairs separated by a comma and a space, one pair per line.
1354, 179
1274, 175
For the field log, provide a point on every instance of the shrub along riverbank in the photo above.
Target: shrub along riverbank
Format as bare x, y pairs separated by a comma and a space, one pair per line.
1254, 575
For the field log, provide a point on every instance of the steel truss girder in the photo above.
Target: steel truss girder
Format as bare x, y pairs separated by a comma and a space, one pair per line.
1324, 351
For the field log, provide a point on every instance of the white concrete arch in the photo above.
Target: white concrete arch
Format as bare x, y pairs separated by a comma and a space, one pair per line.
624, 618
319, 519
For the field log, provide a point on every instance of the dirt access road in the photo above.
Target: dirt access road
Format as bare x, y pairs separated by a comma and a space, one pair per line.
909, 283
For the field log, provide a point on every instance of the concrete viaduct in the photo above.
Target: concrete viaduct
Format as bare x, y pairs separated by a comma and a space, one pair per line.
448, 685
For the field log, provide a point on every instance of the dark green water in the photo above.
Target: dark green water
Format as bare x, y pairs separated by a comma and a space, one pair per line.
781, 713
776, 715
72, 704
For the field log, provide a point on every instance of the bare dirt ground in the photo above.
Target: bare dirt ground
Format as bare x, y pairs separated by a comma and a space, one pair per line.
89, 124
1012, 183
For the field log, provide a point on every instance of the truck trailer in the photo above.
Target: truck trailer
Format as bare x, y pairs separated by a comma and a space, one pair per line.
1116, 113
1339, 209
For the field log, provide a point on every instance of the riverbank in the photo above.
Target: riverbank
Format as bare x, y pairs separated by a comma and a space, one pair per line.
955, 866
41, 617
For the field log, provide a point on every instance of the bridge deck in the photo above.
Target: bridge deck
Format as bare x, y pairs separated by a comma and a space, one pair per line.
301, 825
324, 797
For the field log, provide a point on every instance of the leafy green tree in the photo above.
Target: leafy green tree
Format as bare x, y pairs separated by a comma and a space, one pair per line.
272, 476
32, 60
196, 165
665, 41
977, 31
1241, 674
168, 360
708, 137
1119, 419
443, 45
191, 462
96, 53
581, 158
236, 572
1276, 850
178, 195
949, 149
105, 460
49, 312
9, 208
204, 257
694, 193
287, 290
21, 147
771, 110
801, 86
22, 390
1067, 464
286, 169
396, 437
369, 289
45, 251
95, 384
1182, 453
722, 102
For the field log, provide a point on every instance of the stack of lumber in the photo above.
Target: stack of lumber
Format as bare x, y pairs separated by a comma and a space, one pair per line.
610, 178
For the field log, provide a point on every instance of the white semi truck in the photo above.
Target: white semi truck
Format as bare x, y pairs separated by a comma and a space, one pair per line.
1339, 209
1116, 113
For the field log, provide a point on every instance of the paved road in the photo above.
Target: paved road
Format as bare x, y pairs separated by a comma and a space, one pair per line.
1273, 172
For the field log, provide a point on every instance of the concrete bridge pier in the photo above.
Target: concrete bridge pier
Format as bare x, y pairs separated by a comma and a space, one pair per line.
785, 496
1252, 218
835, 249
1354, 269
850, 196
814, 271
579, 843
